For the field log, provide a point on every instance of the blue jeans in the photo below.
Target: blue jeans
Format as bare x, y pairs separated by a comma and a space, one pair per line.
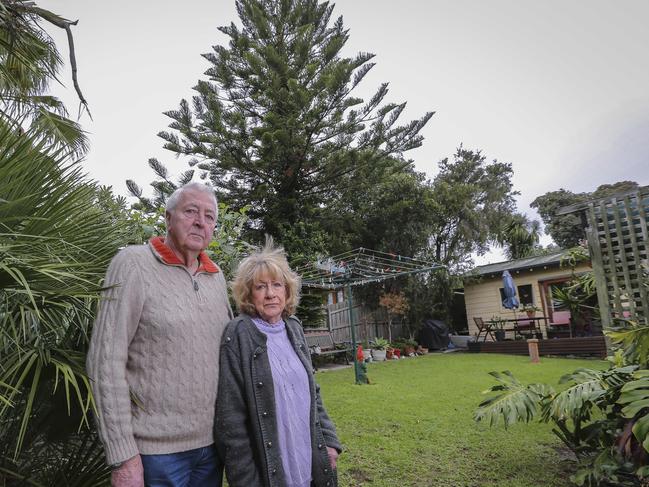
201, 467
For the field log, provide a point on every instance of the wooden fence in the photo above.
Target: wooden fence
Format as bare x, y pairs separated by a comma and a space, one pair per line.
618, 237
369, 324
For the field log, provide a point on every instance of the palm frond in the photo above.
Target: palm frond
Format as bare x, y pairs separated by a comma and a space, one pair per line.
29, 61
514, 402
633, 338
589, 386
58, 130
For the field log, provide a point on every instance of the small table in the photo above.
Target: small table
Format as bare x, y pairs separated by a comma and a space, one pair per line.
523, 323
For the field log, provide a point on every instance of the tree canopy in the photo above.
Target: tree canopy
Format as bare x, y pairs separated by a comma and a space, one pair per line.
520, 236
471, 198
276, 128
566, 230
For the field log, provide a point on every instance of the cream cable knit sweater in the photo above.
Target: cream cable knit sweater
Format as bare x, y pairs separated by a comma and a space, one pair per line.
157, 335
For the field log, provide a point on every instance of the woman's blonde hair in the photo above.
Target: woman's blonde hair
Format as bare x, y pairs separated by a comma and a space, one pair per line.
272, 261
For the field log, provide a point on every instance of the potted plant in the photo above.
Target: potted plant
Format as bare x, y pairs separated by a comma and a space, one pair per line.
531, 310
389, 353
498, 327
379, 349
408, 348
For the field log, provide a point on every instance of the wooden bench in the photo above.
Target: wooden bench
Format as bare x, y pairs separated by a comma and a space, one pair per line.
321, 344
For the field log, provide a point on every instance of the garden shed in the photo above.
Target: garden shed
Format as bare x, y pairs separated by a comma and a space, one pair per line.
535, 279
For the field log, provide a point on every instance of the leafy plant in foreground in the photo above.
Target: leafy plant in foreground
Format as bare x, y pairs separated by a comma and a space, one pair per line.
55, 244
587, 417
602, 416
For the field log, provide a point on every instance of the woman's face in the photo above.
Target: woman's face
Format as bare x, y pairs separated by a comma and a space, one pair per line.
269, 298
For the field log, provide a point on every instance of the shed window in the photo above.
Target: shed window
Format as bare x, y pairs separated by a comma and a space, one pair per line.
524, 294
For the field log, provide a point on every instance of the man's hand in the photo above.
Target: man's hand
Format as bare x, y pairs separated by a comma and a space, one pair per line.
333, 456
128, 474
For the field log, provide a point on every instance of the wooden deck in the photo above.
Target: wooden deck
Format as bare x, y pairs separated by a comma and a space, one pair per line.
585, 346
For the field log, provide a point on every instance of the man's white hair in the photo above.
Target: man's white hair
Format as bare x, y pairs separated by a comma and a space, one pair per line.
173, 200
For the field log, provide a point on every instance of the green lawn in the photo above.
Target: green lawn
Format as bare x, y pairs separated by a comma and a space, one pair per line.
413, 426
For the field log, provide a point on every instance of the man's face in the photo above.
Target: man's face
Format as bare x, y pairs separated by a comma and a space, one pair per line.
190, 225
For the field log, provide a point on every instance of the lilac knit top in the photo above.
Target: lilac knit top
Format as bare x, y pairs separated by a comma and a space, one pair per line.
292, 403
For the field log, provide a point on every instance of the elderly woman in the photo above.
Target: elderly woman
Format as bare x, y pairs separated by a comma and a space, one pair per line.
271, 426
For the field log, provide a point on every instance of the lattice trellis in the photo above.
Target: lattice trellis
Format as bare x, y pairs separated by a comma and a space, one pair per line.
360, 266
618, 238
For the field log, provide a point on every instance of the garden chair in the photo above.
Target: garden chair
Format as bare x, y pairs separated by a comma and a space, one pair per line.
560, 325
483, 328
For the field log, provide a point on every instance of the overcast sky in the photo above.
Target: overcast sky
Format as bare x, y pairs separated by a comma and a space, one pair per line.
558, 88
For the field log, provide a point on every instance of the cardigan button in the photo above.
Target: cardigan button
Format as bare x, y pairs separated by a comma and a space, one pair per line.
273, 471
317, 423
319, 446
227, 339
269, 444
325, 470
264, 414
260, 384
328, 484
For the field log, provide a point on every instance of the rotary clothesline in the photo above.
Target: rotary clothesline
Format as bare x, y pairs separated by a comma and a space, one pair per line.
354, 268
360, 266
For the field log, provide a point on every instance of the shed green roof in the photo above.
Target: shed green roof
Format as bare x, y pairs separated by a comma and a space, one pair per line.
527, 263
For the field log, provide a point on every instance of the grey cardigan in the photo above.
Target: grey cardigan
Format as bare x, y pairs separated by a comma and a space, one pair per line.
245, 426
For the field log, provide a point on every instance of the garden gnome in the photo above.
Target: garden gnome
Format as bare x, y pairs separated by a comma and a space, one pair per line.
361, 368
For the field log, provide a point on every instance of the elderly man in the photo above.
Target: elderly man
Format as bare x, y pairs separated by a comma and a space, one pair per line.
153, 357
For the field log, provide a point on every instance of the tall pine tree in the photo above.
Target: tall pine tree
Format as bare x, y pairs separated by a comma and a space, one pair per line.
276, 127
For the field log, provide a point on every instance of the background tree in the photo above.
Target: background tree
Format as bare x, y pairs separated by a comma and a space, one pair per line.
444, 220
395, 304
566, 230
520, 236
276, 128
470, 198
604, 190
388, 211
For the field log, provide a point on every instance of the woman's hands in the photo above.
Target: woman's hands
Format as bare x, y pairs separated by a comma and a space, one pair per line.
333, 456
